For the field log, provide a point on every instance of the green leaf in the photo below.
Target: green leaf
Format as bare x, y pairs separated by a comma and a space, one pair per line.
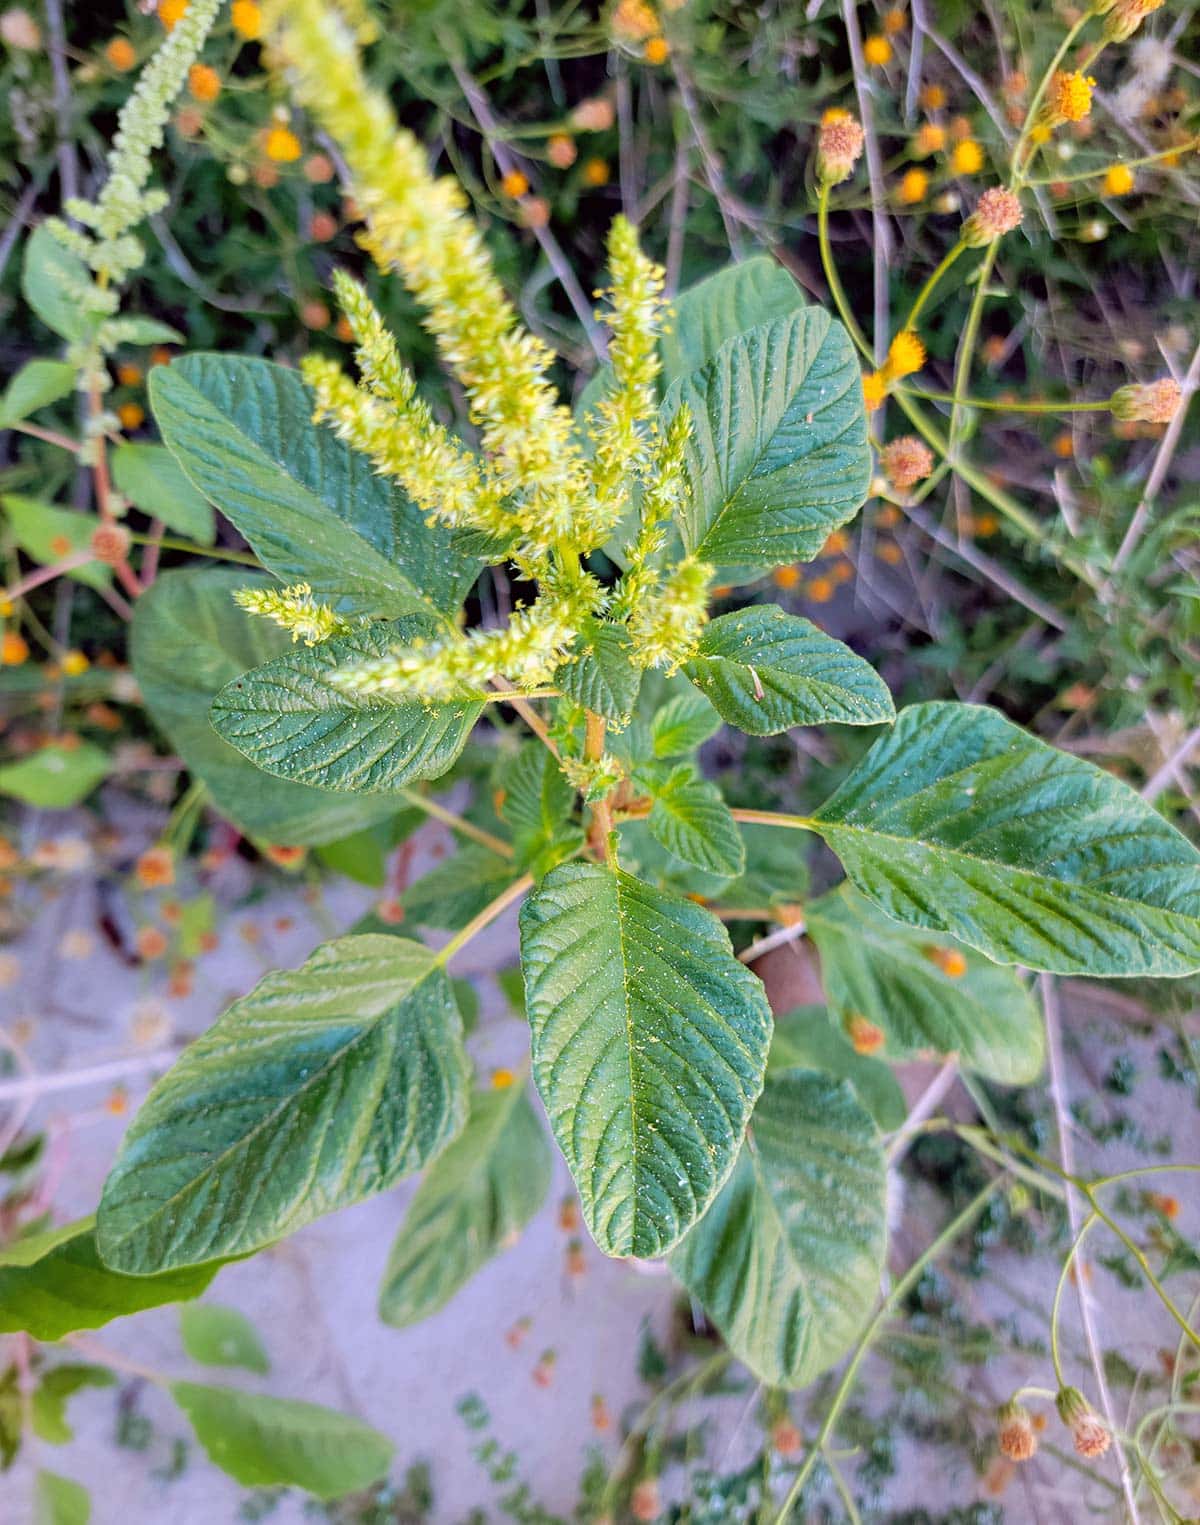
56, 777
649, 1046
291, 721
314, 510
57, 1386
217, 1336
189, 640
691, 819
766, 671
715, 310
775, 873
324, 1085
55, 1283
537, 803
47, 535
150, 477
787, 1260
36, 385
52, 281
475, 1200
804, 1039
873, 968
961, 822
449, 895
362, 856
778, 455
602, 677
135, 329
60, 1501
682, 724
279, 1443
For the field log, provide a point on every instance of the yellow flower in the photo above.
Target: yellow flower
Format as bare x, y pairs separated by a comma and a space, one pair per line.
595, 172
515, 184
282, 145
877, 51
1118, 180
894, 20
932, 98
172, 12
657, 50
1039, 134
913, 186
14, 649
247, 19
120, 54
1069, 97
204, 82
874, 390
967, 158
930, 139
634, 21
74, 664
906, 355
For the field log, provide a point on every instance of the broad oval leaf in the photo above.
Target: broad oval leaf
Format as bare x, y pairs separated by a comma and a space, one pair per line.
279, 1443
151, 478
60, 1501
684, 722
217, 1336
961, 822
55, 778
58, 1385
47, 534
778, 455
806, 1039
601, 677
690, 818
324, 1085
53, 279
766, 671
787, 1260
36, 385
314, 510
189, 640
290, 720
55, 1283
474, 1201
715, 310
649, 1045
924, 998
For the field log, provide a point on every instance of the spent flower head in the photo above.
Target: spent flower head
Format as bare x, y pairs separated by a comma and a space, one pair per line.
997, 212
1016, 1436
1091, 1436
1151, 402
906, 461
839, 146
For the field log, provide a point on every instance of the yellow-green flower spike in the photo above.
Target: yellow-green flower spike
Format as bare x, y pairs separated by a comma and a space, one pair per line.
295, 610
667, 622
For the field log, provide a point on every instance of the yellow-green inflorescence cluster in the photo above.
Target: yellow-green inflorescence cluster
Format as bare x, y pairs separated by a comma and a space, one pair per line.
538, 489
296, 611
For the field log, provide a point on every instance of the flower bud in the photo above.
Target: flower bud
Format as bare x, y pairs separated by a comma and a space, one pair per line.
1153, 402
1123, 20
997, 212
839, 144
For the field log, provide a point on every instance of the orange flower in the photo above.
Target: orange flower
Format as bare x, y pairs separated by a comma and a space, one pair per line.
75, 664
906, 461
110, 544
120, 54
1068, 97
247, 19
889, 553
837, 543
932, 97
877, 51
656, 51
864, 1036
172, 12
129, 375
786, 578
595, 172
151, 942
318, 169
894, 20
282, 146
821, 590
967, 158
204, 82
155, 869
502, 1079
132, 416
14, 649
515, 184
839, 145
1118, 180
874, 390
949, 960
322, 226
914, 183
561, 150
930, 139
906, 356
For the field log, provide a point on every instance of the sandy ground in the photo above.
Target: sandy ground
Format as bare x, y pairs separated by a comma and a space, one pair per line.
313, 1297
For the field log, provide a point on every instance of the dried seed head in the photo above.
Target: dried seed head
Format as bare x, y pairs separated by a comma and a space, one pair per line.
906, 461
997, 212
1154, 402
839, 145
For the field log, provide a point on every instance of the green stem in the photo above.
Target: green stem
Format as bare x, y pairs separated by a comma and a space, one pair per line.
217, 553
927, 290
503, 900
1140, 1256
899, 1291
457, 823
1039, 94
835, 283
966, 347
1056, 1306
992, 405
772, 818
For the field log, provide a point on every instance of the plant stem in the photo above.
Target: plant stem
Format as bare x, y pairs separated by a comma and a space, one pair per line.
899, 1291
595, 728
772, 818
835, 283
927, 290
988, 404
489, 913
457, 823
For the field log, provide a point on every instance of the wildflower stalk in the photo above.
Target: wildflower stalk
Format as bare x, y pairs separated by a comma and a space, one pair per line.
849, 321
928, 288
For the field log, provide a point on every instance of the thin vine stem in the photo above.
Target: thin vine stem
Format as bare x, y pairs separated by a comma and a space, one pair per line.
898, 1292
457, 823
503, 900
835, 282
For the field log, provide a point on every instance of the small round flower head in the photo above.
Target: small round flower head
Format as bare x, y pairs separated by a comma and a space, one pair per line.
930, 139
1152, 402
906, 461
839, 145
997, 212
1125, 17
1069, 96
967, 158
865, 1037
1118, 180
1090, 1434
1016, 1437
110, 543
914, 184
874, 390
596, 114
906, 356
877, 51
